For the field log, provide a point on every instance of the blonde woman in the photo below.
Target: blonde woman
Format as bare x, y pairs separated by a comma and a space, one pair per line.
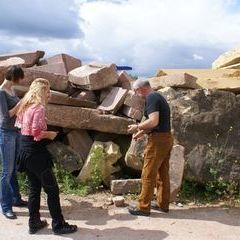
35, 159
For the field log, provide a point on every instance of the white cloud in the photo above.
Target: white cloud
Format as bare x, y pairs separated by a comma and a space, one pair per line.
197, 57
159, 33
144, 34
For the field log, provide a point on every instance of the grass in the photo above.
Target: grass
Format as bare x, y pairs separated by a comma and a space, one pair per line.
203, 194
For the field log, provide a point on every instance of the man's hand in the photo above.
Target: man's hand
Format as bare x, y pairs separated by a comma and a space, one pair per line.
132, 128
138, 134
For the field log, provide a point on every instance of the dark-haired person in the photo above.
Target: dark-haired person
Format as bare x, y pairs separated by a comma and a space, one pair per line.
9, 142
155, 170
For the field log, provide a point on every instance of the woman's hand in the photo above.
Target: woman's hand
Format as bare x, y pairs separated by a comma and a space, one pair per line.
52, 135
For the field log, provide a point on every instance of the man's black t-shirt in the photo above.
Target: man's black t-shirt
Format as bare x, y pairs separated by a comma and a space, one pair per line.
157, 103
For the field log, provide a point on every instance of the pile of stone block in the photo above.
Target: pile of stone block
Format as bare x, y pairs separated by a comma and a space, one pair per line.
85, 100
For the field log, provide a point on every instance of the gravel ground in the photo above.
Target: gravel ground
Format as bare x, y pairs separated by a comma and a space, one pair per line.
97, 219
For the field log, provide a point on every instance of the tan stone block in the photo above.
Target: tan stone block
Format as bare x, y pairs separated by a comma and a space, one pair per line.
228, 58
57, 82
30, 58
114, 100
132, 112
118, 201
181, 80
124, 80
134, 101
81, 142
94, 76
12, 61
85, 118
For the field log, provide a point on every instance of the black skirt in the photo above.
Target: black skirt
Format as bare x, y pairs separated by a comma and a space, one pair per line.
33, 155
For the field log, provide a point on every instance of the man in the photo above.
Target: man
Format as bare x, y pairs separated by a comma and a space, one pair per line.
155, 170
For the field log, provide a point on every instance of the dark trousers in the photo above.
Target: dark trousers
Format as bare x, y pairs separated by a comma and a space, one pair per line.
36, 161
47, 180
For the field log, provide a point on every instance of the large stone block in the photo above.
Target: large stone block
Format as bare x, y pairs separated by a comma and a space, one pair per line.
221, 79
59, 98
63, 99
176, 170
94, 76
228, 58
85, 118
69, 62
60, 64
124, 186
133, 106
2, 73
57, 82
124, 80
12, 61
132, 113
180, 80
80, 141
114, 100
69, 159
100, 161
29, 58
135, 158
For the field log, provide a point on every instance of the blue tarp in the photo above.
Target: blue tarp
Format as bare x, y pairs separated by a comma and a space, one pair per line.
124, 68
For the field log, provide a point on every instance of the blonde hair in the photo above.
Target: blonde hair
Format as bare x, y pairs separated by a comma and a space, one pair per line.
36, 94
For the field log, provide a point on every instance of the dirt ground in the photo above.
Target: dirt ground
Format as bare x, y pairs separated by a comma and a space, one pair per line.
97, 219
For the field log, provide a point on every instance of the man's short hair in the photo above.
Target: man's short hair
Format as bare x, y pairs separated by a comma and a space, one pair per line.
141, 82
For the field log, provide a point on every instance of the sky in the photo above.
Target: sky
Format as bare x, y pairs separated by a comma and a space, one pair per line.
144, 34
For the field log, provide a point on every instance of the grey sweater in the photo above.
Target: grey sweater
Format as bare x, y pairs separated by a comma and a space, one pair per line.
7, 102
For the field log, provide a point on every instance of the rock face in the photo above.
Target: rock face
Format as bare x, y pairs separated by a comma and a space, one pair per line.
206, 123
94, 76
180, 80
99, 165
85, 118
228, 58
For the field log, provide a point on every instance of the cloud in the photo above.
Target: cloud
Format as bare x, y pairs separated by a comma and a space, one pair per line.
146, 35
159, 33
39, 18
197, 57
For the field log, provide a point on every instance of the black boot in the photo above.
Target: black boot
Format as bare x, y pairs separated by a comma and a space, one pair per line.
65, 228
36, 226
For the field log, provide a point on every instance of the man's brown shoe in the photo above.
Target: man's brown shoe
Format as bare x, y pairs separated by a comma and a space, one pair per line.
154, 206
137, 211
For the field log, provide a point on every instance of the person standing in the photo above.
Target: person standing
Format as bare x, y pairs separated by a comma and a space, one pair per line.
155, 170
9, 142
35, 159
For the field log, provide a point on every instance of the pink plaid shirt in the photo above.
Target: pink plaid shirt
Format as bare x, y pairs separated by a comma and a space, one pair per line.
32, 122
